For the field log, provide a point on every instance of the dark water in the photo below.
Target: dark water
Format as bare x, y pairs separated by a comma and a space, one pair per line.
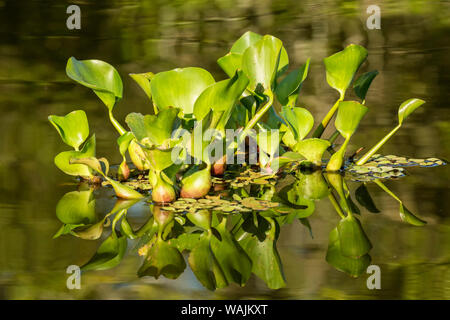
410, 51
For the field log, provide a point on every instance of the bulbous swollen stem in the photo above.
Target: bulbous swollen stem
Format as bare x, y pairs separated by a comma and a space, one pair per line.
198, 184
162, 191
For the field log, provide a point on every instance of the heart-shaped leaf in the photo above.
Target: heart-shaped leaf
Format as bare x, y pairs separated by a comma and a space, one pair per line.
221, 96
73, 127
299, 120
162, 259
263, 61
349, 116
312, 149
342, 66
232, 61
157, 128
98, 76
77, 207
62, 160
179, 88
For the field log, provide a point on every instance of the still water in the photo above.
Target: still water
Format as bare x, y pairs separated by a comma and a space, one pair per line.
410, 50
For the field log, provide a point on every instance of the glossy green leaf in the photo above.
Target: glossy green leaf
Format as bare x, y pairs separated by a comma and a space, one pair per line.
341, 67
288, 89
221, 96
62, 160
179, 88
143, 80
73, 127
409, 217
351, 266
162, 259
312, 149
77, 207
265, 257
349, 116
108, 255
157, 128
98, 76
362, 84
408, 107
233, 260
299, 120
205, 266
263, 61
354, 242
232, 61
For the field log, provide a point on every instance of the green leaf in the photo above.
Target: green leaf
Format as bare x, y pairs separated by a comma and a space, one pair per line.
311, 186
342, 66
362, 84
77, 207
351, 266
162, 259
349, 116
288, 89
221, 96
62, 160
264, 255
143, 80
73, 127
232, 61
409, 217
299, 120
200, 218
205, 266
246, 40
233, 260
312, 149
124, 142
108, 255
157, 128
408, 107
98, 76
264, 61
353, 240
179, 88
363, 197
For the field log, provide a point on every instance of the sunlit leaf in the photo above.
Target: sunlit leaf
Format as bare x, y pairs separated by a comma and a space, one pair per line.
408, 107
349, 116
62, 160
73, 127
221, 96
179, 88
77, 207
341, 67
299, 120
143, 80
263, 61
98, 76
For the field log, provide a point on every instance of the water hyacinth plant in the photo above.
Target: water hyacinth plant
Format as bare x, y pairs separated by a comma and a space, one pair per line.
192, 112
223, 165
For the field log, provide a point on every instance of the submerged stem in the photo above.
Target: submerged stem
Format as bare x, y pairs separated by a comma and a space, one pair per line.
375, 148
336, 205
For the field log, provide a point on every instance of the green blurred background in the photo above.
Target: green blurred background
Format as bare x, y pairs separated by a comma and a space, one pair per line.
410, 50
